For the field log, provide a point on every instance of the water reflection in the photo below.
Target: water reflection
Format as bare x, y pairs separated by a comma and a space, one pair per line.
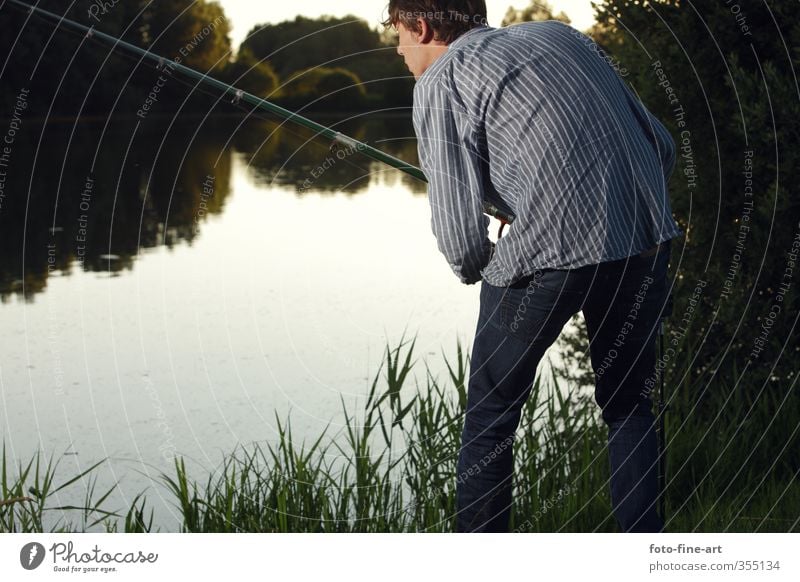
91, 196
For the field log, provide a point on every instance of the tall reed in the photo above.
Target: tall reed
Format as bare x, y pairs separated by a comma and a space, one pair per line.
393, 469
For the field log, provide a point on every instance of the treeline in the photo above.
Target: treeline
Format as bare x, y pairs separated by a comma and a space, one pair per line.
323, 64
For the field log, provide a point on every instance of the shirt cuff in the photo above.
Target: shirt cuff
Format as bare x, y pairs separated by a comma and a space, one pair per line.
472, 278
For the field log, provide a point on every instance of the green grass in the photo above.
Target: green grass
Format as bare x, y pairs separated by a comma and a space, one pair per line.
393, 467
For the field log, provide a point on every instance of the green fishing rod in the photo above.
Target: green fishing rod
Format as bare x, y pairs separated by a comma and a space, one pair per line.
237, 95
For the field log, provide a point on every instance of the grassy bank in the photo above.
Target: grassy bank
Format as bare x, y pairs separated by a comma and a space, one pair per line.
394, 468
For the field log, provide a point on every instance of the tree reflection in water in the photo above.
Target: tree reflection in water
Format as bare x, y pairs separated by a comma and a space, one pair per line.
82, 196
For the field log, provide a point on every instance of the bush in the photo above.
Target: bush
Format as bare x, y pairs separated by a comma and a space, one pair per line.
318, 88
248, 74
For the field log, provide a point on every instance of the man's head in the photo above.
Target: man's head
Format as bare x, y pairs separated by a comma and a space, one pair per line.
427, 27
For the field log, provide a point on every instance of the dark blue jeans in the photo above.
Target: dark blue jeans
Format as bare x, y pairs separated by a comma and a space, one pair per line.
622, 302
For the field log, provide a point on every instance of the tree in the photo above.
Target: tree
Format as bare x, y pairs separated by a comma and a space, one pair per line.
324, 88
64, 58
196, 31
251, 75
535, 11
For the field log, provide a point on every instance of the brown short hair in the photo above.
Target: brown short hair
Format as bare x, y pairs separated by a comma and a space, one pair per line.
448, 19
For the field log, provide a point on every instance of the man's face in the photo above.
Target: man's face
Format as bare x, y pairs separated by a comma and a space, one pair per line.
412, 51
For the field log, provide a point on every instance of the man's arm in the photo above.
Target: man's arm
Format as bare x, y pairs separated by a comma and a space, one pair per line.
449, 157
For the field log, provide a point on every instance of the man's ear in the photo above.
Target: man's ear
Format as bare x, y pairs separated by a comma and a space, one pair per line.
426, 33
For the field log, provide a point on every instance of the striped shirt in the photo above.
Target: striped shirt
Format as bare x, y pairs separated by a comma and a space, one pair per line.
534, 119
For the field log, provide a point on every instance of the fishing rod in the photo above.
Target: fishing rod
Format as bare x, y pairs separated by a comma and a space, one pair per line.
338, 139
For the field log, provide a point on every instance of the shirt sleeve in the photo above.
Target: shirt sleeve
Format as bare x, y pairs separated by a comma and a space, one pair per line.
449, 155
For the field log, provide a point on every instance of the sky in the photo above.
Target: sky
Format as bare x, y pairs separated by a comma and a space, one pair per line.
244, 14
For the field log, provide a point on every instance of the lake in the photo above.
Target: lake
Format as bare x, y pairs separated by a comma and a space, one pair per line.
168, 288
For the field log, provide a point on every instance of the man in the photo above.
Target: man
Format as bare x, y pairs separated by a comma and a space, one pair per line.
534, 119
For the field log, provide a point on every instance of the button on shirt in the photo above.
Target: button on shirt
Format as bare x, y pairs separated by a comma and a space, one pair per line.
533, 118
